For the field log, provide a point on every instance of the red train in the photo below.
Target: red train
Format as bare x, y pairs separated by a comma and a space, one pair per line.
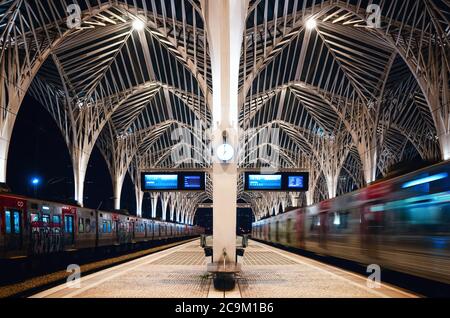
402, 224
35, 227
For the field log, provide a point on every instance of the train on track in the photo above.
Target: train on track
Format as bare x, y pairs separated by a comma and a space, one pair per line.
402, 224
31, 227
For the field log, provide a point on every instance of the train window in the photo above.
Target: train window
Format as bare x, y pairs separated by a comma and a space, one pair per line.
8, 221
343, 220
68, 224
14, 226
46, 219
16, 222
87, 225
56, 219
80, 225
34, 217
105, 226
109, 226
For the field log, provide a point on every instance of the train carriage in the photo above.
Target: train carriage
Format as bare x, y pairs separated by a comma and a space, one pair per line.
31, 227
402, 224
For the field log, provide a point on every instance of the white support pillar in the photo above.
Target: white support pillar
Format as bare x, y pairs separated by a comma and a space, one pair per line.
310, 197
154, 202
332, 185
172, 212
445, 146
225, 21
294, 199
183, 214
80, 160
139, 198
164, 208
5, 139
117, 188
178, 218
369, 162
277, 207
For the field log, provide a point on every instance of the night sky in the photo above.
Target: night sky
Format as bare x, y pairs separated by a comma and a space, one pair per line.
38, 150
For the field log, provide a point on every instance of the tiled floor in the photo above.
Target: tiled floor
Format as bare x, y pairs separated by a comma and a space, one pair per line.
180, 272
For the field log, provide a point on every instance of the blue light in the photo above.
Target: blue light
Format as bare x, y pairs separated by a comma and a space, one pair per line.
35, 181
428, 179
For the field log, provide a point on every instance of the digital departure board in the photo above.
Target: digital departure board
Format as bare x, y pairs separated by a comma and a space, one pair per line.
281, 181
295, 182
173, 181
264, 182
161, 182
192, 182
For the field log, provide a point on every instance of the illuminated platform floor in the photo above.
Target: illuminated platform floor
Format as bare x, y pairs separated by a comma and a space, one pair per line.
180, 272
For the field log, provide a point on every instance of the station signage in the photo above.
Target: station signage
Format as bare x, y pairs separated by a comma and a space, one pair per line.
281, 181
173, 181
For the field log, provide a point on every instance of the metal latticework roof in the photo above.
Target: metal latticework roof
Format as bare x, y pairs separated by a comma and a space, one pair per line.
347, 99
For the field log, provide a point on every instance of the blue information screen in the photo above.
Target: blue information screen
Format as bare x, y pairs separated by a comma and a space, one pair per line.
264, 182
281, 181
192, 182
295, 182
161, 182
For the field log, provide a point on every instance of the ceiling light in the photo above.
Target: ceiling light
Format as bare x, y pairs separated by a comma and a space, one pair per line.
311, 23
138, 25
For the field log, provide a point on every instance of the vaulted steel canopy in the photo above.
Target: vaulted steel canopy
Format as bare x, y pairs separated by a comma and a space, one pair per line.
348, 99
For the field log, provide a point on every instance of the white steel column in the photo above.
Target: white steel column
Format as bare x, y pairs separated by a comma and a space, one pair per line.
154, 202
225, 22
117, 187
80, 160
139, 198
5, 138
445, 146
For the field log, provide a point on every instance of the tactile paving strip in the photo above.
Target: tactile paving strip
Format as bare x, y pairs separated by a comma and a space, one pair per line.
182, 258
266, 258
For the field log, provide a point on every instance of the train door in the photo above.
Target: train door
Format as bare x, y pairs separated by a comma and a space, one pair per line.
300, 229
288, 231
69, 229
13, 220
56, 233
45, 233
277, 231
150, 230
323, 229
117, 232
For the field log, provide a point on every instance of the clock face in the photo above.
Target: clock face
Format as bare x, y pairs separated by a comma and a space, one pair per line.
225, 152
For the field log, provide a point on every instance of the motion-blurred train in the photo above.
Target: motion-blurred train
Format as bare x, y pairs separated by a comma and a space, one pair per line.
401, 224
34, 227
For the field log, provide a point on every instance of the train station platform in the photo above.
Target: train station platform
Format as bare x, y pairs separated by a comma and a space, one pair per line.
180, 272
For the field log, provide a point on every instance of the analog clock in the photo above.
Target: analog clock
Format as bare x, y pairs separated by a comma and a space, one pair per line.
225, 152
